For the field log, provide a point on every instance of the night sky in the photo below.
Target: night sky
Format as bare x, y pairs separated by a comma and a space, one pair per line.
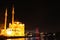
43, 14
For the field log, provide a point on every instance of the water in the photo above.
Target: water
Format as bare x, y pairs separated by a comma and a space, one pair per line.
21, 39
16, 39
33, 38
29, 38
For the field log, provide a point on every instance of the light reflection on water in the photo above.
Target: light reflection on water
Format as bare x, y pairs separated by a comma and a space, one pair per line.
17, 39
22, 39
33, 38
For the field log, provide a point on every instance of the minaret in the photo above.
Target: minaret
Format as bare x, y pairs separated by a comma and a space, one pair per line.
13, 14
5, 19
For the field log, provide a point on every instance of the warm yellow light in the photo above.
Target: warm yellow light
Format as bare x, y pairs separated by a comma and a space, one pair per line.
18, 29
17, 39
17, 22
9, 32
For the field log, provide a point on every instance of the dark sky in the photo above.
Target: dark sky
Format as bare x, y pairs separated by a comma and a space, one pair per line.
43, 14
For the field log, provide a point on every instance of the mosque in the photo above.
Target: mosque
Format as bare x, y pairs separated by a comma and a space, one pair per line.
15, 28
